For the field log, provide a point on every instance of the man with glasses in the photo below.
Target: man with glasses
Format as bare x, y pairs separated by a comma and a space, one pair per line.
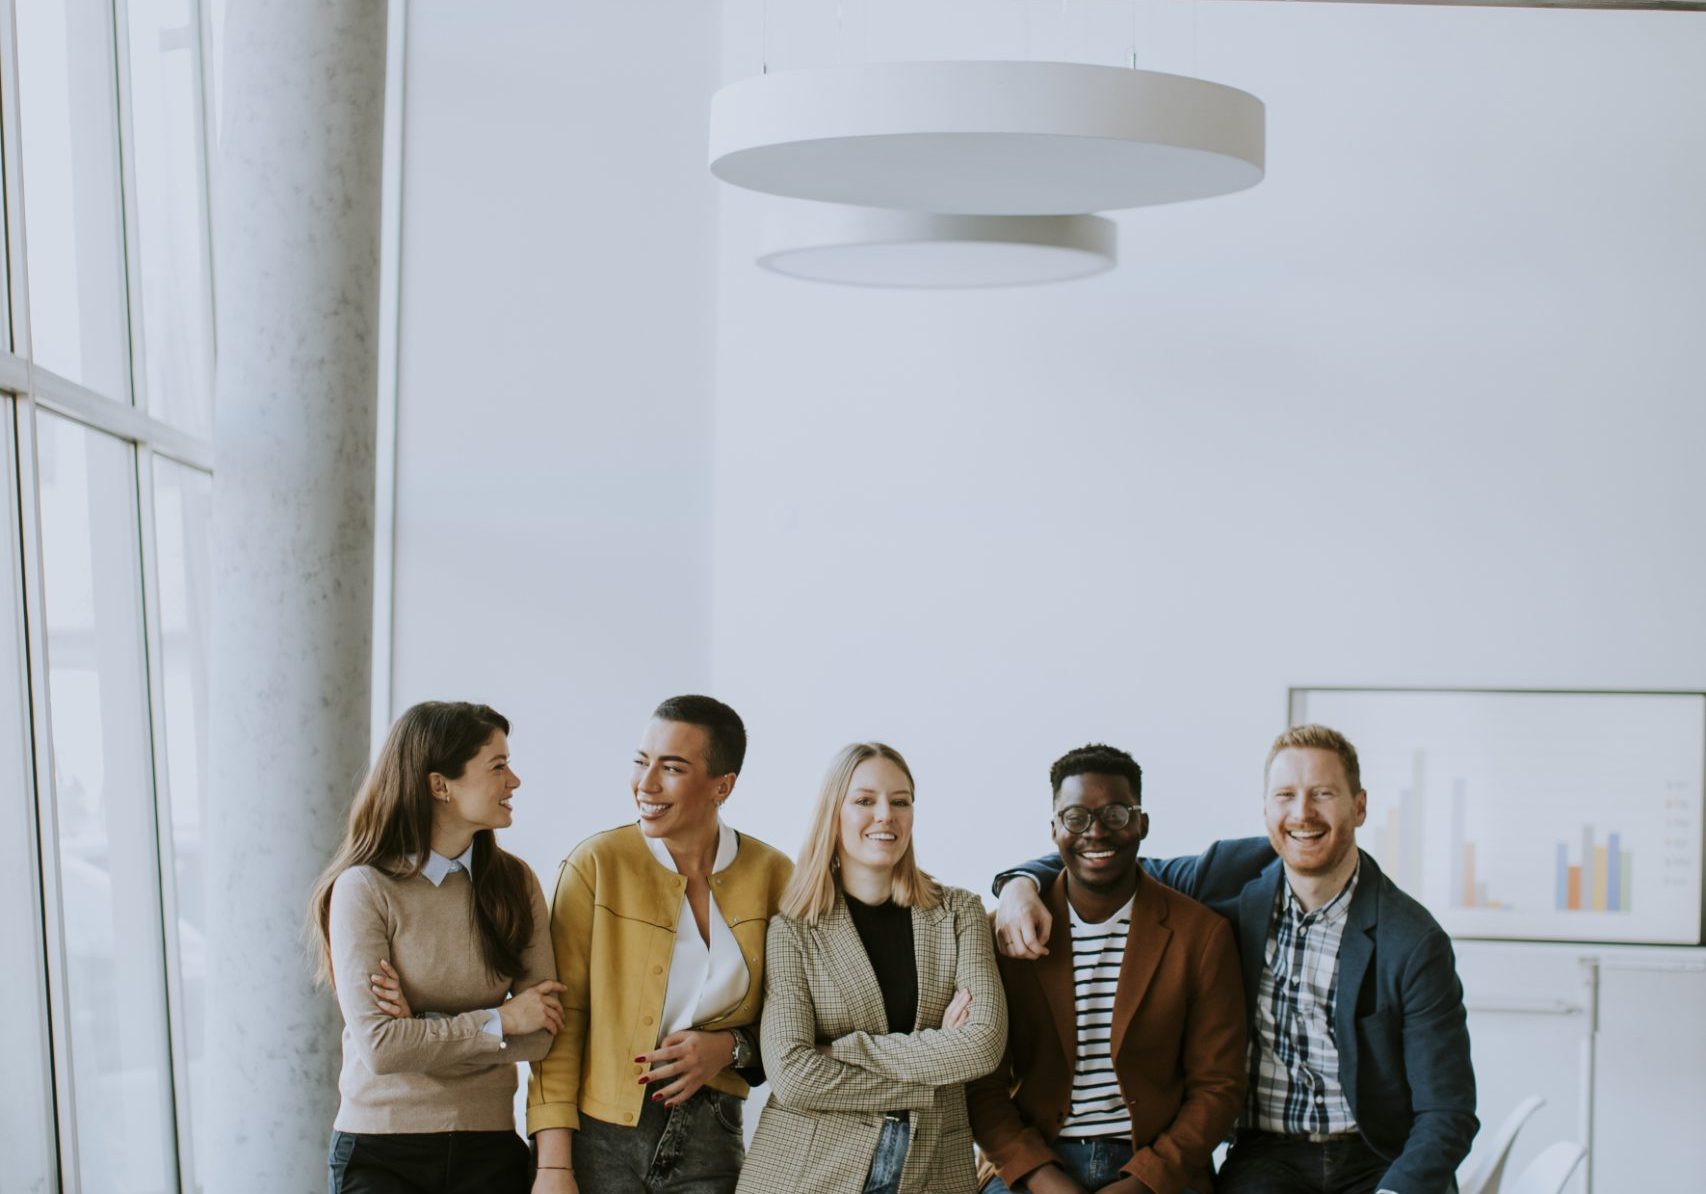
1125, 1059
1360, 1076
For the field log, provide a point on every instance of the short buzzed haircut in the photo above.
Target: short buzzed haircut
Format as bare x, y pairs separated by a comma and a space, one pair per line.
725, 733
1096, 759
1315, 737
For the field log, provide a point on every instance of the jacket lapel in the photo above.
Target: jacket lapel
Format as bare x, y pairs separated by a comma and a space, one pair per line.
852, 969
1356, 951
1054, 974
927, 962
1255, 913
1144, 945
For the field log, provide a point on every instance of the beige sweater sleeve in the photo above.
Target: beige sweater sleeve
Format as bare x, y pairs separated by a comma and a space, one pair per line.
538, 965
389, 1046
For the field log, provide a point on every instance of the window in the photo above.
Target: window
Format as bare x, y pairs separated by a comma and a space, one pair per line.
177, 303
26, 1108
106, 366
109, 884
183, 499
73, 202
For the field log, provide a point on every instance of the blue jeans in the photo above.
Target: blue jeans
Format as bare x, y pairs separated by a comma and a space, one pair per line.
1092, 1163
1266, 1163
890, 1158
696, 1148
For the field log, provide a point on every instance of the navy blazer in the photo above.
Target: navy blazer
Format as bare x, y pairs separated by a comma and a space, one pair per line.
1402, 1038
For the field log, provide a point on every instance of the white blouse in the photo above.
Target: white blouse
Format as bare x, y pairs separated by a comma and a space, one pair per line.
705, 981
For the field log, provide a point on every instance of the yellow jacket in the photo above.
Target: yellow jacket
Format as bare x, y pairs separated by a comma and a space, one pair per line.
613, 920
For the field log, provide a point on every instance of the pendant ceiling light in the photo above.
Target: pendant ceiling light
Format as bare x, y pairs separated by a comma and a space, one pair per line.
986, 138
862, 246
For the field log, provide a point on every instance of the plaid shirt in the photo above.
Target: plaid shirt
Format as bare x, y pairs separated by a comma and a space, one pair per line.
1294, 1058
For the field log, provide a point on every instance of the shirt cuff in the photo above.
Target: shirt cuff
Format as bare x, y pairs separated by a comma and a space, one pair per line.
1006, 877
494, 1025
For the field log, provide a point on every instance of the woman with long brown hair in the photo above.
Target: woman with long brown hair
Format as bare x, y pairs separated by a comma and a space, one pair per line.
437, 944
881, 1001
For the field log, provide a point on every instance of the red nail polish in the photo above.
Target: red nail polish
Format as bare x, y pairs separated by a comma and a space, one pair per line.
657, 1098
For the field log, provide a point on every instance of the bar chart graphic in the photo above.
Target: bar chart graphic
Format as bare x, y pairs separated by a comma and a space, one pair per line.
1600, 880
1534, 816
1468, 887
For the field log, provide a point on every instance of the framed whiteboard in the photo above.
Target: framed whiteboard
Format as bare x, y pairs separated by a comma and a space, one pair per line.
1535, 816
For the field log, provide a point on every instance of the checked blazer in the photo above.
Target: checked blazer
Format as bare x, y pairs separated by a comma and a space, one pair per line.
819, 1128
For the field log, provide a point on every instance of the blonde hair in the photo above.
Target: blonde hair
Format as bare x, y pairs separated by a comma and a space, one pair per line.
1315, 737
811, 892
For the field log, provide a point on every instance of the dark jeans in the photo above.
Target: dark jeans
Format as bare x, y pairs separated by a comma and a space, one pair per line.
1265, 1163
696, 1148
1092, 1163
428, 1163
889, 1158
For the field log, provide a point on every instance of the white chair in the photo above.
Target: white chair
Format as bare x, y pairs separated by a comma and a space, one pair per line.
1485, 1175
1550, 1172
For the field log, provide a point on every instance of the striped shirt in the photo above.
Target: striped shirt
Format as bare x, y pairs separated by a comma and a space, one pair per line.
1098, 1109
1294, 1055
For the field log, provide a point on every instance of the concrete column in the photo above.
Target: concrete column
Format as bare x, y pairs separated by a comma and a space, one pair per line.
296, 218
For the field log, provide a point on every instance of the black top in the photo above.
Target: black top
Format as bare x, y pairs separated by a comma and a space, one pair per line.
886, 931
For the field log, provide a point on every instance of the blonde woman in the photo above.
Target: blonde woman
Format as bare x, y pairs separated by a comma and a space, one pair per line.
881, 1001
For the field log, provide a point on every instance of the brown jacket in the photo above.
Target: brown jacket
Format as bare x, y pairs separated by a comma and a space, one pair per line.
1178, 1045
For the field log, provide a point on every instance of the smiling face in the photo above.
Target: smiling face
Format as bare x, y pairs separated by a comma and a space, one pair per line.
876, 817
1100, 859
480, 797
1311, 811
674, 791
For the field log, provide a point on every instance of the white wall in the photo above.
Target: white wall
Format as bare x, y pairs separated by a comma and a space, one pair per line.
1424, 408
556, 361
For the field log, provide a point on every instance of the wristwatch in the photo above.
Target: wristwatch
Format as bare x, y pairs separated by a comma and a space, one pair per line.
745, 1054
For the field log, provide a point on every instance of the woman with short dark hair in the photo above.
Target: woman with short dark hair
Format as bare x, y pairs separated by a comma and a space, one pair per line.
659, 928
437, 944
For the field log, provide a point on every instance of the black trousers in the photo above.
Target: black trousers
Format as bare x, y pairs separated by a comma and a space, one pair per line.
428, 1163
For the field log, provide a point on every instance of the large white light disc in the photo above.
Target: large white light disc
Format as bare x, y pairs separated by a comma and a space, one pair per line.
986, 138
863, 246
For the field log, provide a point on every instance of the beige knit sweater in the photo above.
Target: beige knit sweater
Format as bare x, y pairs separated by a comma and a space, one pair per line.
427, 1074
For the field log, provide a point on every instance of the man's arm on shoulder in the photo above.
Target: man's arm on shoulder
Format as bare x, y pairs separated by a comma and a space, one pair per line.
1438, 1067
1218, 873
1229, 863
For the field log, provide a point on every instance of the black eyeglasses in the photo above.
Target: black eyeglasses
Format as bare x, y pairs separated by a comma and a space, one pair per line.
1076, 818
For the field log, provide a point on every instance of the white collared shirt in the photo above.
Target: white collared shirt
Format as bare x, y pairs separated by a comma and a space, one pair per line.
437, 868
705, 980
